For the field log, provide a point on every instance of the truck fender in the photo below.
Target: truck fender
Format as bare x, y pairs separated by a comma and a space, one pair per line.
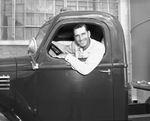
13, 104
7, 114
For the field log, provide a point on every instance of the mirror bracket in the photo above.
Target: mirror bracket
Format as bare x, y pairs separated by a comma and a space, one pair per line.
34, 64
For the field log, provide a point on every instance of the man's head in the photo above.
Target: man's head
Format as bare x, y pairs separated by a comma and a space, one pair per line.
82, 36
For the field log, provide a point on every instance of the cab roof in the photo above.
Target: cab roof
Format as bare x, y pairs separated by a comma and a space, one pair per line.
84, 14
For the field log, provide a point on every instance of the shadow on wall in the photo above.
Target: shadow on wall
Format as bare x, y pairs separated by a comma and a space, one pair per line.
141, 57
140, 36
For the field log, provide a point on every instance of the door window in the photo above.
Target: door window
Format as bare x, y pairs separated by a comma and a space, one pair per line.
64, 36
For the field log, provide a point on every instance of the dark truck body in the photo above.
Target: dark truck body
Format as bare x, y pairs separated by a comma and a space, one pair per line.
53, 91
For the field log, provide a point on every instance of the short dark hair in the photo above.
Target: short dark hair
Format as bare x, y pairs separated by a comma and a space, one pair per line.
79, 26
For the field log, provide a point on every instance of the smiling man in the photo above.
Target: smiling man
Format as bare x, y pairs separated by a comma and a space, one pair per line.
83, 47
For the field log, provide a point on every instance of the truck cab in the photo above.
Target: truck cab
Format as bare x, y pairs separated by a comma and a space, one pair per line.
41, 87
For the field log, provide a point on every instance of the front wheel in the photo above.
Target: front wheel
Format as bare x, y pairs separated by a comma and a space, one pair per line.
7, 115
3, 118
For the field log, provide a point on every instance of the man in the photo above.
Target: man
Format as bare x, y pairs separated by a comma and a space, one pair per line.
82, 47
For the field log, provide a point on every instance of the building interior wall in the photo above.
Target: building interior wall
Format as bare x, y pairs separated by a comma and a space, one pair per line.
20, 20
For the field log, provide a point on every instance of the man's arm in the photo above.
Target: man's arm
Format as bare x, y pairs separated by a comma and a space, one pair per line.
90, 64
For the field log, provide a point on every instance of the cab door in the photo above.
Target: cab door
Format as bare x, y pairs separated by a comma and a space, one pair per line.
63, 94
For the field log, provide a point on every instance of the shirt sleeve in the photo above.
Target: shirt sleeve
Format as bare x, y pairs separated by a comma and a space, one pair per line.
91, 62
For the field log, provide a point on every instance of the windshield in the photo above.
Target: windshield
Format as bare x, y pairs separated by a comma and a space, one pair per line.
42, 32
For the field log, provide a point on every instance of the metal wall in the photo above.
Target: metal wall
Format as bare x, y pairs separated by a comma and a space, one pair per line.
140, 37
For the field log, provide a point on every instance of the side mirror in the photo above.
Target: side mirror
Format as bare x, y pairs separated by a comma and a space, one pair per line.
32, 48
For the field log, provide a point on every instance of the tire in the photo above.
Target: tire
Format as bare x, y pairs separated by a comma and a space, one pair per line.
3, 118
7, 115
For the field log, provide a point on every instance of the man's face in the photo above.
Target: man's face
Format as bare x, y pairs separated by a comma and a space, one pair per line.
82, 37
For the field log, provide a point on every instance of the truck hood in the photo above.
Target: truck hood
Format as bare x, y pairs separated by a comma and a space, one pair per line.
24, 63
15, 64
7, 73
12, 69
7, 65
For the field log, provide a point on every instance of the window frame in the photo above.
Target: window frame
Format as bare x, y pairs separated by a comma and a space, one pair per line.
107, 55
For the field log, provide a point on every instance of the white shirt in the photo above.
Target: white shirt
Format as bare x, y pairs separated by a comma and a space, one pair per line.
94, 54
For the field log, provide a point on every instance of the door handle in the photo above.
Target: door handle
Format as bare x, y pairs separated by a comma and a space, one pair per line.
106, 71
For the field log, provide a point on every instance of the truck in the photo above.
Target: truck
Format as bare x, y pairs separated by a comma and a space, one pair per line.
40, 87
